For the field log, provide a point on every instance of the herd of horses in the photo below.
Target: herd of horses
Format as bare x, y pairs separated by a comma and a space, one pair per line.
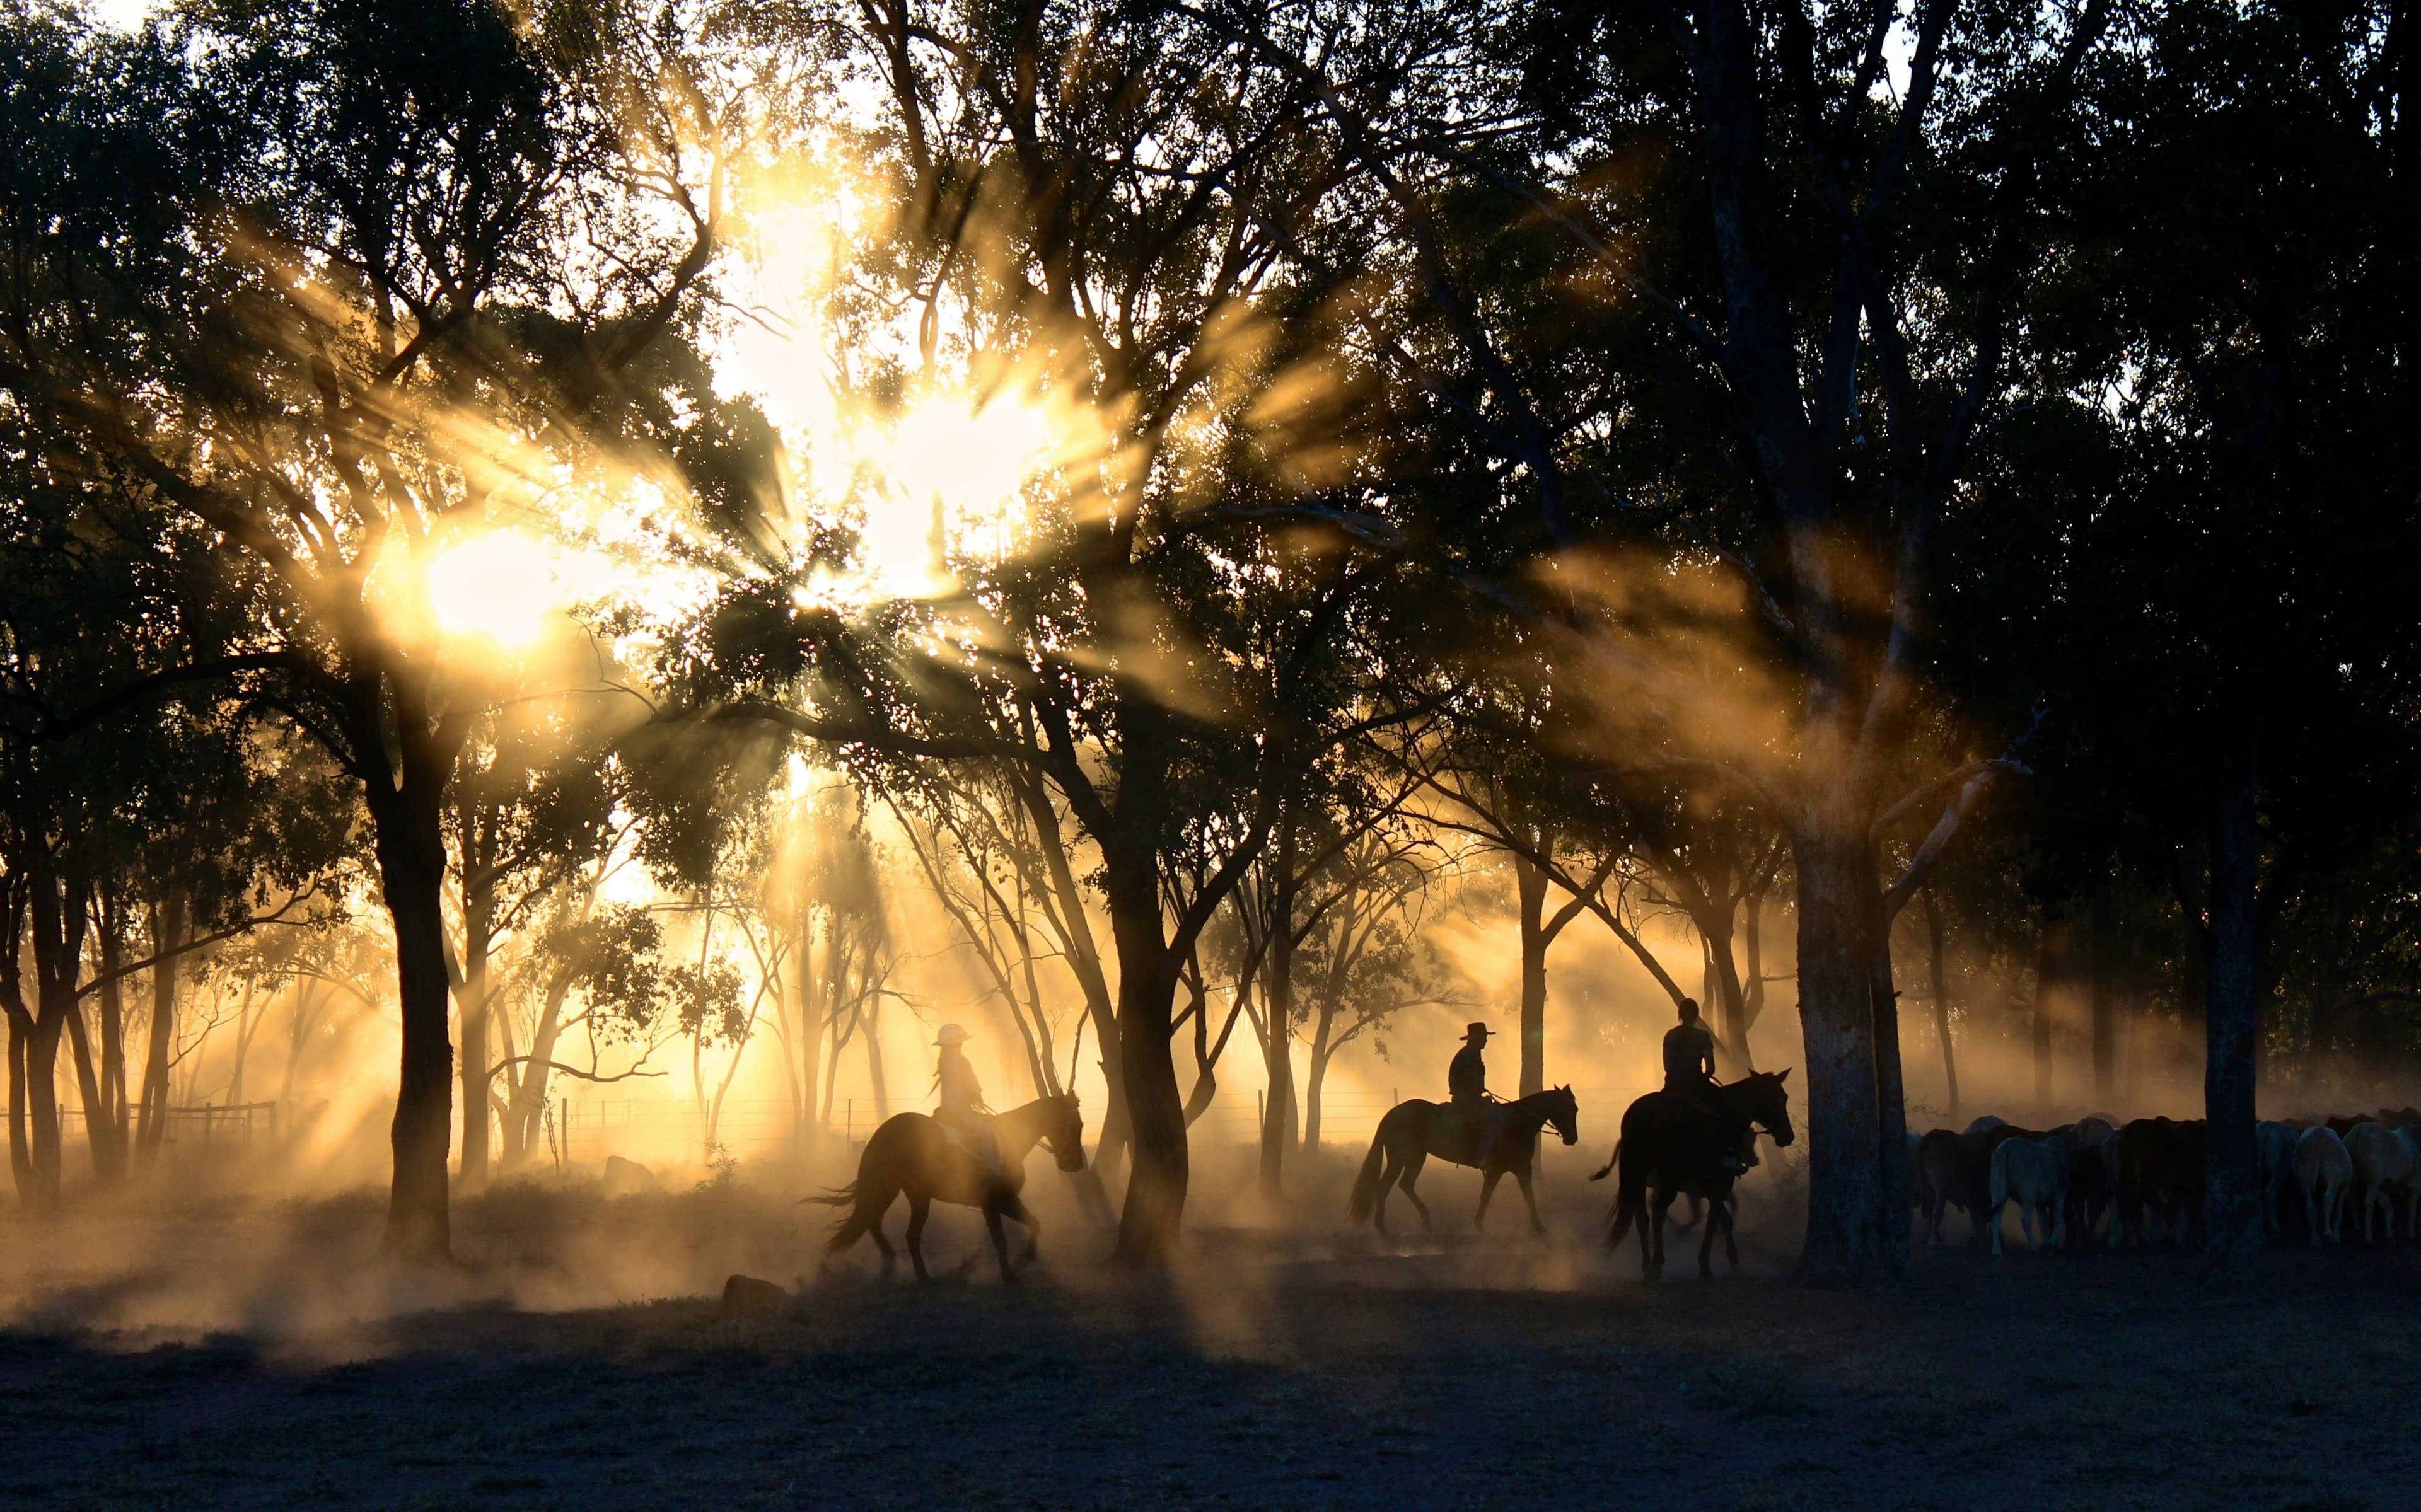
2145, 1179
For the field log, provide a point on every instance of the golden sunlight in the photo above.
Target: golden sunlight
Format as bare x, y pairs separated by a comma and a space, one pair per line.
501, 587
954, 477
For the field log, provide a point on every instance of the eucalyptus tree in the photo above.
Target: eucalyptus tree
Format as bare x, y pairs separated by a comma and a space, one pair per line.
2255, 382
1086, 204
1788, 312
530, 813
594, 971
365, 275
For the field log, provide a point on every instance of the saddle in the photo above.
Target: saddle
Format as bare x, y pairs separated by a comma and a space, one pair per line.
977, 1143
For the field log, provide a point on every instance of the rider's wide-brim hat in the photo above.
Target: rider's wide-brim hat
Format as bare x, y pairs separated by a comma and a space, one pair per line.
1476, 1031
952, 1035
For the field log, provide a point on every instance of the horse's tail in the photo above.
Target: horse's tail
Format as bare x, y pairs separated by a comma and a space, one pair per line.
852, 1225
837, 1197
1600, 1173
1366, 1186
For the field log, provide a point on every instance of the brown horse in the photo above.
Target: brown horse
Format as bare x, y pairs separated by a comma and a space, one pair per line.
1414, 1131
911, 1154
1672, 1145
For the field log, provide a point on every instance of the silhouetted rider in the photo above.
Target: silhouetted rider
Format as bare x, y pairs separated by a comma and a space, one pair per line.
1466, 1083
961, 1111
1690, 1072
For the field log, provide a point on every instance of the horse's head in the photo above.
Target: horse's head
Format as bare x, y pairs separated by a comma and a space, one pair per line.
1065, 1132
1563, 1112
1767, 1102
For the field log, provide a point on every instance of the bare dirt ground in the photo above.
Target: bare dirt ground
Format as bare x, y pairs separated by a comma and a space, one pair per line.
251, 1354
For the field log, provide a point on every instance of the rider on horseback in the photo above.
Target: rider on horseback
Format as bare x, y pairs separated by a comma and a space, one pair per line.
1466, 1084
1690, 1074
962, 1113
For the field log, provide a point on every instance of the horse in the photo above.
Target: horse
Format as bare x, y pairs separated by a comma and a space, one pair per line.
1414, 1129
1673, 1144
2324, 1169
2275, 1145
909, 1153
2156, 1164
2382, 1176
2034, 1173
1949, 1173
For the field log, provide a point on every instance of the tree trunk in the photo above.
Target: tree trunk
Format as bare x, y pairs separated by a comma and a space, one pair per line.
1941, 1000
2232, 1210
412, 874
1753, 946
1277, 1048
809, 1050
870, 1025
88, 1075
59, 914
40, 1192
1084, 960
1838, 956
1724, 987
478, 928
106, 1125
1530, 886
167, 934
21, 1154
1891, 1096
1148, 970
1315, 1078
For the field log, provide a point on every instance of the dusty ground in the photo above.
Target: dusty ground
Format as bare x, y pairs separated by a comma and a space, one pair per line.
254, 1355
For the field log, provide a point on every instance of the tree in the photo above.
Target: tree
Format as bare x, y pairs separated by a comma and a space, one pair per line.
1113, 223
321, 315
1755, 230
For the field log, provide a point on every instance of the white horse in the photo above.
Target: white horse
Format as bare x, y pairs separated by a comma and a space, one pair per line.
2323, 1170
2035, 1172
2383, 1168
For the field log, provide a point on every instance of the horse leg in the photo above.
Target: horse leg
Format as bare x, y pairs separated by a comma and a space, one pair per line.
1661, 1203
1521, 1180
1378, 1205
1707, 1242
1487, 1191
918, 1206
999, 1241
1033, 1226
1411, 1172
1731, 1250
874, 1231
